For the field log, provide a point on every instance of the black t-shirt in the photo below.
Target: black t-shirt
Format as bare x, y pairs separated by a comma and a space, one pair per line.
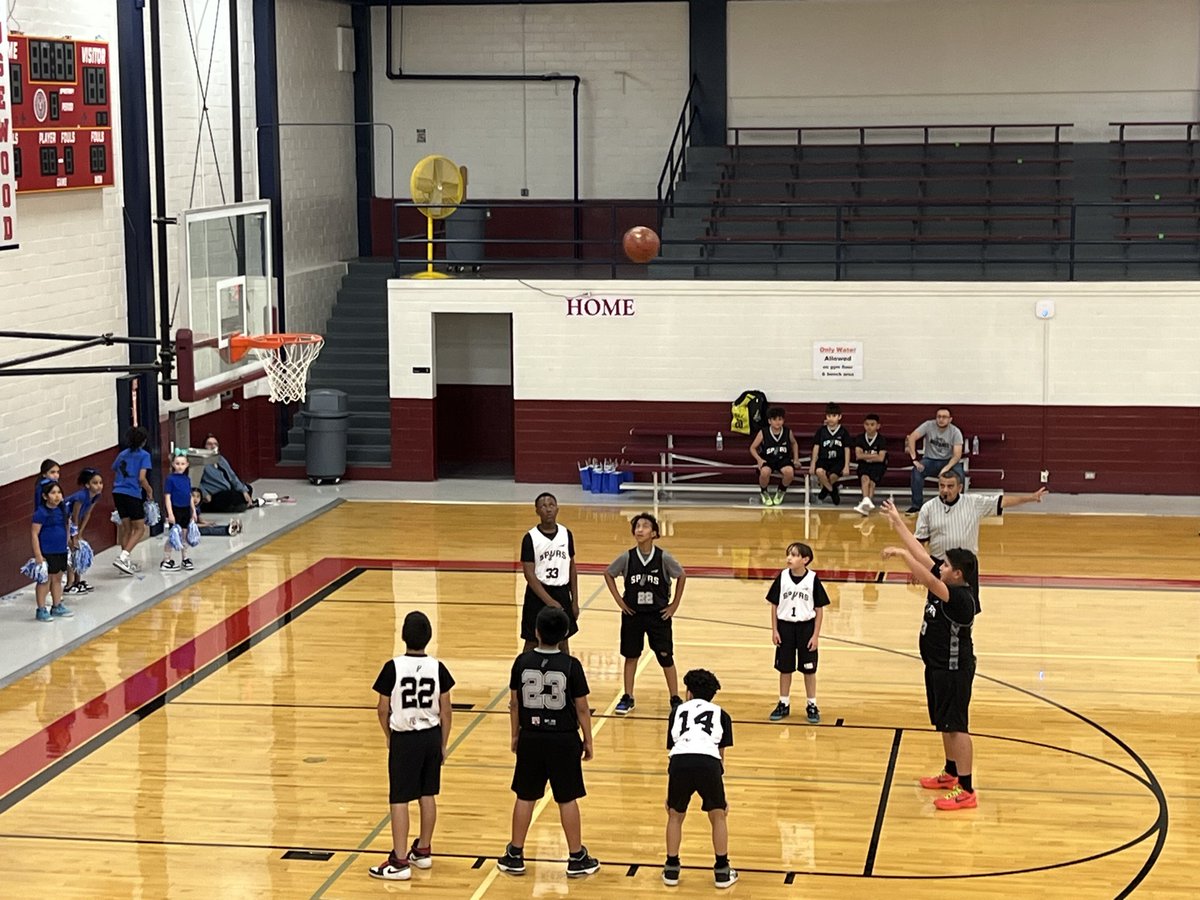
946, 630
831, 447
880, 445
547, 684
776, 449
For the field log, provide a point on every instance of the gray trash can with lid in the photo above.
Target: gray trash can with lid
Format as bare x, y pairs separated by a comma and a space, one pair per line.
466, 224
326, 421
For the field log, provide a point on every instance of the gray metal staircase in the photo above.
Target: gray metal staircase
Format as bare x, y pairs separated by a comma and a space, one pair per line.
355, 360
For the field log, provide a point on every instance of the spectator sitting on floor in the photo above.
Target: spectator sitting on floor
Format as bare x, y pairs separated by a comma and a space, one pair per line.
221, 490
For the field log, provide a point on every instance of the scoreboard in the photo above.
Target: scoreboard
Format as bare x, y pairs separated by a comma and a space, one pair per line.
61, 113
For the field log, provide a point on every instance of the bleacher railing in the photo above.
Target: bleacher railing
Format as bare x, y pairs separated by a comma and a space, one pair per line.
542, 244
675, 165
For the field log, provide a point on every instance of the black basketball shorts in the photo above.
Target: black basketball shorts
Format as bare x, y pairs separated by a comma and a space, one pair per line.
414, 764
533, 605
129, 507
777, 463
554, 756
651, 626
695, 773
949, 697
874, 471
56, 563
832, 467
183, 516
792, 654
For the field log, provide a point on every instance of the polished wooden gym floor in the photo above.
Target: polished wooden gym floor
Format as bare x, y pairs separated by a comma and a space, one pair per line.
184, 753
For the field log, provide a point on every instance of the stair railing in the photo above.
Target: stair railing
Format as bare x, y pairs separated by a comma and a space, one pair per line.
675, 165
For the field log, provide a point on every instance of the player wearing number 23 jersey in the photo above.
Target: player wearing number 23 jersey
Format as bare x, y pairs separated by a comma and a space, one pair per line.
546, 684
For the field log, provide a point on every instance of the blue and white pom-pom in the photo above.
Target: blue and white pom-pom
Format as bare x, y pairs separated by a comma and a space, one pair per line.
193, 534
37, 572
82, 557
153, 516
115, 518
175, 537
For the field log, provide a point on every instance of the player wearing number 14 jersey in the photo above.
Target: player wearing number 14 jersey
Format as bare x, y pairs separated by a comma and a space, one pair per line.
414, 711
548, 708
698, 731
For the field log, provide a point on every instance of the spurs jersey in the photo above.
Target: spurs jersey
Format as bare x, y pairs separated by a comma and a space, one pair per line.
550, 554
415, 685
699, 726
647, 584
547, 683
776, 448
946, 631
797, 598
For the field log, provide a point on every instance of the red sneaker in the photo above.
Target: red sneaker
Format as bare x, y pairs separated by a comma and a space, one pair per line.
942, 781
957, 799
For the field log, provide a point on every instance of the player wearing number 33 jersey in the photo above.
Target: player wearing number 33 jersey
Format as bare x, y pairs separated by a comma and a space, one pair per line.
548, 562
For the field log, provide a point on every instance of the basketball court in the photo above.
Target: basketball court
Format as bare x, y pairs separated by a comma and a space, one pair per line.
224, 742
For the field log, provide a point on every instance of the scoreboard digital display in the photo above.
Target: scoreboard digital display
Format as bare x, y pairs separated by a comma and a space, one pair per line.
61, 115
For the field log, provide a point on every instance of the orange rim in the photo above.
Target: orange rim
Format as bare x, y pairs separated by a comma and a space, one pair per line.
239, 344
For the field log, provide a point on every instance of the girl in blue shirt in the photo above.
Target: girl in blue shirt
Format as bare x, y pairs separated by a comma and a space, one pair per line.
131, 490
50, 547
177, 495
48, 472
79, 510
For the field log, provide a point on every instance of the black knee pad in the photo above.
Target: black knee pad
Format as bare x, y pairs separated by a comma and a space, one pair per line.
665, 661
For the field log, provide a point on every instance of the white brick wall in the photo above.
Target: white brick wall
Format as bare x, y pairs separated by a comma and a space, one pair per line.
1110, 344
895, 61
515, 135
67, 276
320, 229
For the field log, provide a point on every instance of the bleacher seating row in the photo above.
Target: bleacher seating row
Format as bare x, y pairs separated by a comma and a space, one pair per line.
673, 461
807, 195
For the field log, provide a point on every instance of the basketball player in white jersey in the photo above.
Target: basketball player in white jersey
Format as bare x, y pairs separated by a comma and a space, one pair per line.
414, 712
797, 598
698, 731
548, 560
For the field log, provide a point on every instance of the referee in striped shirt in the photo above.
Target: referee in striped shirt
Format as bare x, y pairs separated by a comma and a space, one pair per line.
952, 519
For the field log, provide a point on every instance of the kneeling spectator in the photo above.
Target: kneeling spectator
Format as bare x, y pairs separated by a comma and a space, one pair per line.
220, 488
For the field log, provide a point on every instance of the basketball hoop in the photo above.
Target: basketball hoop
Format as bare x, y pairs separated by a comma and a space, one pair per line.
286, 358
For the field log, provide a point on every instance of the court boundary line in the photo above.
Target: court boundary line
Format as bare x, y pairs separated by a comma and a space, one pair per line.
884, 792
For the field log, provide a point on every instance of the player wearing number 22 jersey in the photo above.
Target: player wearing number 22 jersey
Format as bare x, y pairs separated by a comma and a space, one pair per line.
414, 712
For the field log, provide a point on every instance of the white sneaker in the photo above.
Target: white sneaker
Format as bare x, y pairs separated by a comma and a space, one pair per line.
864, 508
124, 566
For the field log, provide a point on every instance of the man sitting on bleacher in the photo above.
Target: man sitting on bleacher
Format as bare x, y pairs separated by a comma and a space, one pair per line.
941, 455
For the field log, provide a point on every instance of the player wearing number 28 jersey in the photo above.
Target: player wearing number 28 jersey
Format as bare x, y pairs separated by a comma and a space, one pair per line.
414, 712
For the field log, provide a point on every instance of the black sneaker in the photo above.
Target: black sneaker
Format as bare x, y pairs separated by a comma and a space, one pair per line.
583, 864
510, 862
675, 700
725, 877
835, 494
625, 705
814, 714
188, 565
670, 874
822, 494
912, 510
781, 711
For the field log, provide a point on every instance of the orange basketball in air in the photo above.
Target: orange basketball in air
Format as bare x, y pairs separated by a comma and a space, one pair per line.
641, 244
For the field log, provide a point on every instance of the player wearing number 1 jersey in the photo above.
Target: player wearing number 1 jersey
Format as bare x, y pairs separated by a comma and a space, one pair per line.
548, 708
698, 731
548, 561
414, 712
797, 600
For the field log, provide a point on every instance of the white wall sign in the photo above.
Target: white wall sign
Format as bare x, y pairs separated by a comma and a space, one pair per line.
8, 175
837, 360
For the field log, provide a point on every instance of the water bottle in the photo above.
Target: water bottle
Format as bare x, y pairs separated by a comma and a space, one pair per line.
975, 446
720, 441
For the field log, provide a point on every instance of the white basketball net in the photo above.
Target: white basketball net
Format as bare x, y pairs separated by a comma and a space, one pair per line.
287, 368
